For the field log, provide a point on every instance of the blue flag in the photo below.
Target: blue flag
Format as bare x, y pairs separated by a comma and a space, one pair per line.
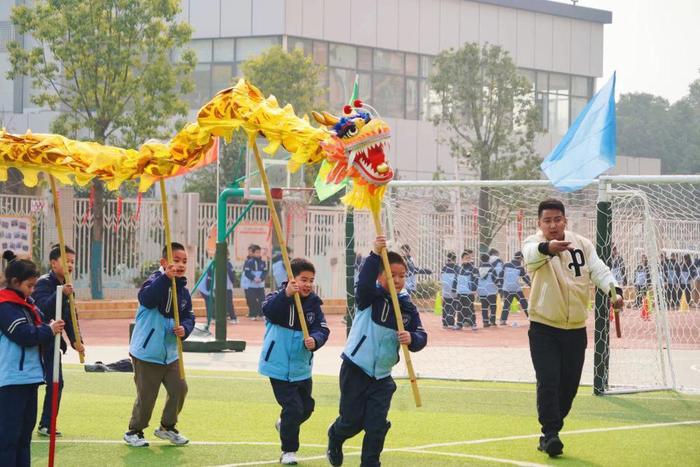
588, 148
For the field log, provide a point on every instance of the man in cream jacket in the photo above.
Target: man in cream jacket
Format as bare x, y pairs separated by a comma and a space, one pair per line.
562, 264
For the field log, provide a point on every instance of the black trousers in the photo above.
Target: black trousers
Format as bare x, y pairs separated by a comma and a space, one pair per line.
465, 315
229, 304
558, 356
254, 297
364, 405
449, 307
17, 419
45, 420
488, 308
297, 406
509, 297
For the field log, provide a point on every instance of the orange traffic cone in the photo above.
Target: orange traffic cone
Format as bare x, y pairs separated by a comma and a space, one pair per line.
684, 303
645, 310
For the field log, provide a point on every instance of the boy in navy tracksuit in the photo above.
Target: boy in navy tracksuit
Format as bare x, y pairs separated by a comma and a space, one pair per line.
253, 281
372, 349
45, 298
466, 287
22, 331
448, 278
513, 271
487, 289
153, 349
287, 357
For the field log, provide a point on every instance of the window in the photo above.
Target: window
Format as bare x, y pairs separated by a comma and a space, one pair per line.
411, 65
391, 62
223, 50
364, 59
202, 49
388, 95
320, 52
577, 105
341, 84
202, 87
558, 110
558, 83
411, 98
365, 84
251, 46
296, 43
343, 56
426, 65
221, 77
579, 86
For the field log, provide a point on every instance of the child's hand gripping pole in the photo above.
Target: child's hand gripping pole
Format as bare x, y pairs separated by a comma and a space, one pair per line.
376, 216
616, 312
173, 285
64, 264
278, 232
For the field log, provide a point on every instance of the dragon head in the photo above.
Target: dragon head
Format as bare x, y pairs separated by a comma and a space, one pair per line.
357, 146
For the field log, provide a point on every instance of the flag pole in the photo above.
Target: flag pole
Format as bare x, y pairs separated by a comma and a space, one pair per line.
377, 217
278, 231
55, 379
173, 285
68, 280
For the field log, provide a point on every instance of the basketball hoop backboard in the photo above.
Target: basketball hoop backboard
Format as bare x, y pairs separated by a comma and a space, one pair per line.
276, 169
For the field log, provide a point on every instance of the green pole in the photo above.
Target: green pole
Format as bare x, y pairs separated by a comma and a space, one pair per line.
349, 267
220, 268
601, 359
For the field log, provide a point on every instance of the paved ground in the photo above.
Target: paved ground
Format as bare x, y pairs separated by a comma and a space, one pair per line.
499, 353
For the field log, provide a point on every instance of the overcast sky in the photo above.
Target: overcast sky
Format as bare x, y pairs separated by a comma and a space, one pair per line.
653, 44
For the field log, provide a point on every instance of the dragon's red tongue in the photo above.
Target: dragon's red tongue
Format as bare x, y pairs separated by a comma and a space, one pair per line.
375, 156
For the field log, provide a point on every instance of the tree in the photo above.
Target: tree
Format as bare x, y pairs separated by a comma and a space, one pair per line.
292, 78
105, 66
490, 117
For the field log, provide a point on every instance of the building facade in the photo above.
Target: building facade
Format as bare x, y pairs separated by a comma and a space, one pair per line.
390, 45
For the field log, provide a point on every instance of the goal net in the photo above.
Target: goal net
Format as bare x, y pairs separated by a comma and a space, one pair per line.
655, 232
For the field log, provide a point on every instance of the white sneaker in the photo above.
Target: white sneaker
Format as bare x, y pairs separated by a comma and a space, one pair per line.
171, 435
43, 431
278, 424
288, 458
135, 439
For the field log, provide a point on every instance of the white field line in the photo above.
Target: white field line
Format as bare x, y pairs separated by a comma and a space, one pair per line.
474, 456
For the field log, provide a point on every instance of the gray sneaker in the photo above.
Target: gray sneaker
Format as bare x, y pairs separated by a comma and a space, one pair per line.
135, 439
171, 435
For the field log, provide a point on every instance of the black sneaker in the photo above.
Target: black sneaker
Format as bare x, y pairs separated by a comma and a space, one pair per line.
551, 445
334, 453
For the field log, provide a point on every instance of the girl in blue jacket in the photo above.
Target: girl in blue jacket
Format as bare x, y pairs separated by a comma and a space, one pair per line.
287, 357
21, 333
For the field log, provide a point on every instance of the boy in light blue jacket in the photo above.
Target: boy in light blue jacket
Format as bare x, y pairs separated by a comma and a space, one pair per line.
371, 350
153, 349
287, 358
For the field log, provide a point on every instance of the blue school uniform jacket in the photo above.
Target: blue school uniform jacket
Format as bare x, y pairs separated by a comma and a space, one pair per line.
372, 344
283, 354
153, 339
253, 268
45, 299
448, 278
488, 280
21, 333
466, 279
512, 272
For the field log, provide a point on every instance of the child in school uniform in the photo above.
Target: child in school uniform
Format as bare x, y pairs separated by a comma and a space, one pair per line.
372, 349
45, 298
287, 358
153, 349
22, 332
253, 281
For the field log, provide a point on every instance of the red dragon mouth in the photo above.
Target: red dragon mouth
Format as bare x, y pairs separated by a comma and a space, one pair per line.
370, 162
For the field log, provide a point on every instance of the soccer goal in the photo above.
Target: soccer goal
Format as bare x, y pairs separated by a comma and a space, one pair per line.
651, 223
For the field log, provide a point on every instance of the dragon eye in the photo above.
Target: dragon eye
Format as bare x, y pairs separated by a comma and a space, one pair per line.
352, 131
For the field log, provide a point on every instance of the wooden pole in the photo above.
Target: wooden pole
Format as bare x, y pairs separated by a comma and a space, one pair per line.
376, 216
278, 232
64, 264
173, 286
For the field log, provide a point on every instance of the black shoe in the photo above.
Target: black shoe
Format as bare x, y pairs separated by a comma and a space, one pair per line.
551, 445
334, 453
